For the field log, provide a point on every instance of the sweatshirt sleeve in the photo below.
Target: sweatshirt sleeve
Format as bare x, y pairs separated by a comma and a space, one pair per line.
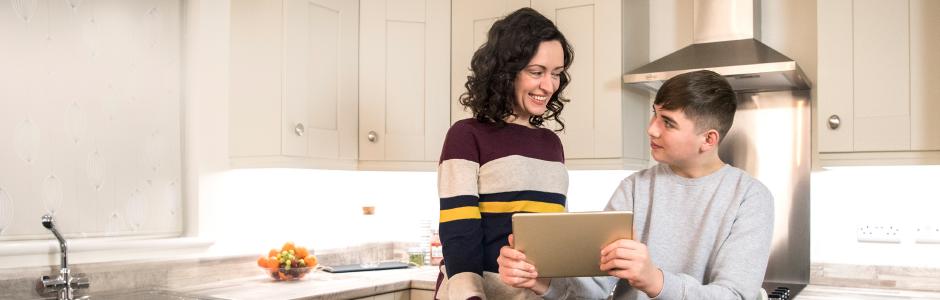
460, 229
741, 260
580, 288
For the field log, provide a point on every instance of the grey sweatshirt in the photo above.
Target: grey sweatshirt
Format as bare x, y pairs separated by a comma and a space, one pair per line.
709, 235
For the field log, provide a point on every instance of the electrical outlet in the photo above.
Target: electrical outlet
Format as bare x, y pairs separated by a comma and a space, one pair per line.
927, 234
878, 233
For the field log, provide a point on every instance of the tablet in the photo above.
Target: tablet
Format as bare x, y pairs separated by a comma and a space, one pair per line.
569, 244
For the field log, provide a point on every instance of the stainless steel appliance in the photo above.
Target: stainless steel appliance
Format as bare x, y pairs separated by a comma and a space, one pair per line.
770, 138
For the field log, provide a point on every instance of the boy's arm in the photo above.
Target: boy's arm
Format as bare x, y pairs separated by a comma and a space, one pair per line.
741, 260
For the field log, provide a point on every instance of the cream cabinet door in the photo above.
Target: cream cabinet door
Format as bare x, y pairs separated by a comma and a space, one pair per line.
925, 75
255, 68
864, 76
320, 78
834, 87
881, 73
417, 294
877, 71
404, 68
401, 295
592, 119
471, 21
293, 89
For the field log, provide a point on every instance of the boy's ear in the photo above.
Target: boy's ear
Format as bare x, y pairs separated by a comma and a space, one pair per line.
711, 140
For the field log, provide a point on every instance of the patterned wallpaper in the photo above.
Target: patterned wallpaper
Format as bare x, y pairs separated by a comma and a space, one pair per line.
90, 117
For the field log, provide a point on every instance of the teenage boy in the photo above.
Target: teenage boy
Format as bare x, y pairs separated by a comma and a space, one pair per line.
702, 228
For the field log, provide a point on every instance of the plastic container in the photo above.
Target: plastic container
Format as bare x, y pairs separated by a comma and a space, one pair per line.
437, 250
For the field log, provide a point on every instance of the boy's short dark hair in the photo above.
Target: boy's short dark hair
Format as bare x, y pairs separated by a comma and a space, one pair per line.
703, 96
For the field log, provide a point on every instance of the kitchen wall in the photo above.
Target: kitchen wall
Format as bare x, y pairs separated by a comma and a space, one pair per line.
90, 118
255, 209
249, 210
841, 198
844, 198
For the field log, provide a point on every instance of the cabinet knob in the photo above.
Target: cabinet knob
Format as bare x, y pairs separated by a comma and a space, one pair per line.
372, 137
299, 129
834, 122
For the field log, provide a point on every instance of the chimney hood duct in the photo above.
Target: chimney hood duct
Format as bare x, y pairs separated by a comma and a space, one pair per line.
724, 42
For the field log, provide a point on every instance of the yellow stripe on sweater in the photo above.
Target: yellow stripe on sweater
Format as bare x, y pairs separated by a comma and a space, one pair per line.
519, 206
460, 213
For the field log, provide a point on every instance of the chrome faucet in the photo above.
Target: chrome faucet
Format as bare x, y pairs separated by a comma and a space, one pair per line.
65, 284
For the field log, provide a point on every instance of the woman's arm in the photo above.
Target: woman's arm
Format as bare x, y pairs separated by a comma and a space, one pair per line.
460, 229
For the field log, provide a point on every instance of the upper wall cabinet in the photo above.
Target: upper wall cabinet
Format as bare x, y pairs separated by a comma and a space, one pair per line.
403, 83
877, 60
294, 90
596, 135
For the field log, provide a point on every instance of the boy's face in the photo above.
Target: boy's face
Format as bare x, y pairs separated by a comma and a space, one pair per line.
674, 138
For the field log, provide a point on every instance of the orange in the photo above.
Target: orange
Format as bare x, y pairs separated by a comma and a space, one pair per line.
288, 246
301, 252
273, 252
273, 262
262, 261
310, 261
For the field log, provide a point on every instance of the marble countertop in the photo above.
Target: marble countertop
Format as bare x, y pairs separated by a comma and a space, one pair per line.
323, 285
319, 285
823, 292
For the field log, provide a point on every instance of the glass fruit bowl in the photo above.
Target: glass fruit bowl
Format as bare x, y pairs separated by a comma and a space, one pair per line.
290, 262
287, 274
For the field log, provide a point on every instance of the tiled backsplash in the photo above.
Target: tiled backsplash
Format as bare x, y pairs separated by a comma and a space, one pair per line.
881, 277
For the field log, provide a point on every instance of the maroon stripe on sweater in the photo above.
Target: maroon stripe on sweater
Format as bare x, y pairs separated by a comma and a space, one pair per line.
473, 140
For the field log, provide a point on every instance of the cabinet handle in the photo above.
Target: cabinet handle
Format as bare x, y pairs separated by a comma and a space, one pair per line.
299, 129
834, 122
372, 137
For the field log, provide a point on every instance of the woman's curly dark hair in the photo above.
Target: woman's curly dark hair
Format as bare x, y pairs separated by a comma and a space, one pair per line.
511, 43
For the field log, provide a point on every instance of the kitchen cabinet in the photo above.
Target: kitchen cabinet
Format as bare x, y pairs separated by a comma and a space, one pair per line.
400, 295
470, 22
417, 294
293, 88
604, 122
875, 101
403, 83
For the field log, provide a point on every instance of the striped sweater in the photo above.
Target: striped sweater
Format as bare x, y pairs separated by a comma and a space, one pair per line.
486, 174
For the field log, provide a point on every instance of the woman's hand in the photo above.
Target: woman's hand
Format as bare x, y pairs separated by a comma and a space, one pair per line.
516, 272
630, 260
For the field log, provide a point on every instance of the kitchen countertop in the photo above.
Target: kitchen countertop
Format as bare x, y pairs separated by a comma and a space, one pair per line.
319, 285
323, 285
823, 292
238, 277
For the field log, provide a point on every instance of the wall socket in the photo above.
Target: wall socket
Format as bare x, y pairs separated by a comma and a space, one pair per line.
927, 234
878, 233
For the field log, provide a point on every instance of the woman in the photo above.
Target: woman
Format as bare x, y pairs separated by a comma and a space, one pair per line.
502, 161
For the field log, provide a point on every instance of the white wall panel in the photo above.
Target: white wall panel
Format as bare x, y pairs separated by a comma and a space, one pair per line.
90, 118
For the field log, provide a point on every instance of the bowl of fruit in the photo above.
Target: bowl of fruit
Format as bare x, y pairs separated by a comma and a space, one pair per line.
288, 263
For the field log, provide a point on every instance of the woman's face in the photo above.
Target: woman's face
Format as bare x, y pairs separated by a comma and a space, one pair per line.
539, 80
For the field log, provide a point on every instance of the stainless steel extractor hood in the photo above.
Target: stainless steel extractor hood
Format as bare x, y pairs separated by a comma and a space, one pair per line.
724, 42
